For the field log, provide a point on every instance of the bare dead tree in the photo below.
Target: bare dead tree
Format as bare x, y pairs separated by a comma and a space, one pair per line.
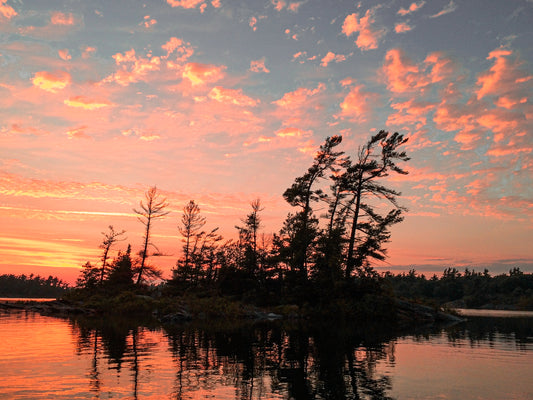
152, 209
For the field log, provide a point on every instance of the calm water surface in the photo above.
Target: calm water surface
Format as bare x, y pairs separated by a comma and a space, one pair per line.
51, 358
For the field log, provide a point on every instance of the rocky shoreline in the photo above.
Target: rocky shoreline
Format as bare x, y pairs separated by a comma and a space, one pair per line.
407, 313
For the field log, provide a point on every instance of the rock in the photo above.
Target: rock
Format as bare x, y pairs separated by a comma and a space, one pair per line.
177, 317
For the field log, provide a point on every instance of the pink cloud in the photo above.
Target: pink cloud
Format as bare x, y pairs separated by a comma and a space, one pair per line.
259, 66
232, 96
59, 18
412, 8
369, 36
402, 27
200, 74
6, 10
51, 81
358, 104
216, 3
332, 57
298, 97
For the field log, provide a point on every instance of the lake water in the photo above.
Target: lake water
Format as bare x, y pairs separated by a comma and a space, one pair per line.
51, 358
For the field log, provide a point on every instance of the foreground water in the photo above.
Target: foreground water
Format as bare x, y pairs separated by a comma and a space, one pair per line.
51, 358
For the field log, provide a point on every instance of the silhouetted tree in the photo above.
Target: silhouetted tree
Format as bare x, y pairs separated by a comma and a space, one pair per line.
190, 228
89, 277
248, 237
122, 271
151, 210
374, 161
301, 194
110, 238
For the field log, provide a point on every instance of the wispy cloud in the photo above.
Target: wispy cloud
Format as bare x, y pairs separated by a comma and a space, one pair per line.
451, 7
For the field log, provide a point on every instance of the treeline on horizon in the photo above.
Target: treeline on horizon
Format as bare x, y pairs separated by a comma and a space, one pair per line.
32, 286
469, 289
340, 223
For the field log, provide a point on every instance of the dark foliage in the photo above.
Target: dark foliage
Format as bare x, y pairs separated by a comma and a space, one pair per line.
318, 261
31, 286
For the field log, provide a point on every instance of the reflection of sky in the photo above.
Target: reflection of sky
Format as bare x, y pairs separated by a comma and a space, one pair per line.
225, 101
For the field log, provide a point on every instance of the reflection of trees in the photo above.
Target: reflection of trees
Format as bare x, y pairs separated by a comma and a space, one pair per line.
115, 340
252, 362
316, 364
490, 330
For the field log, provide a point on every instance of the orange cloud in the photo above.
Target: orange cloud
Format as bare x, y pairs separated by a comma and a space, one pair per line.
231, 96
148, 22
278, 4
298, 97
402, 27
509, 103
281, 4
59, 18
51, 81
410, 113
356, 104
88, 51
332, 57
86, 103
182, 49
6, 10
145, 135
78, 133
503, 76
259, 66
293, 133
21, 129
451, 7
412, 8
64, 54
132, 68
253, 23
369, 36
442, 68
200, 74
185, 3
401, 73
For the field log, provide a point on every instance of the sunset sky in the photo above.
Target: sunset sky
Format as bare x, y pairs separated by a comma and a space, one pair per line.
225, 101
